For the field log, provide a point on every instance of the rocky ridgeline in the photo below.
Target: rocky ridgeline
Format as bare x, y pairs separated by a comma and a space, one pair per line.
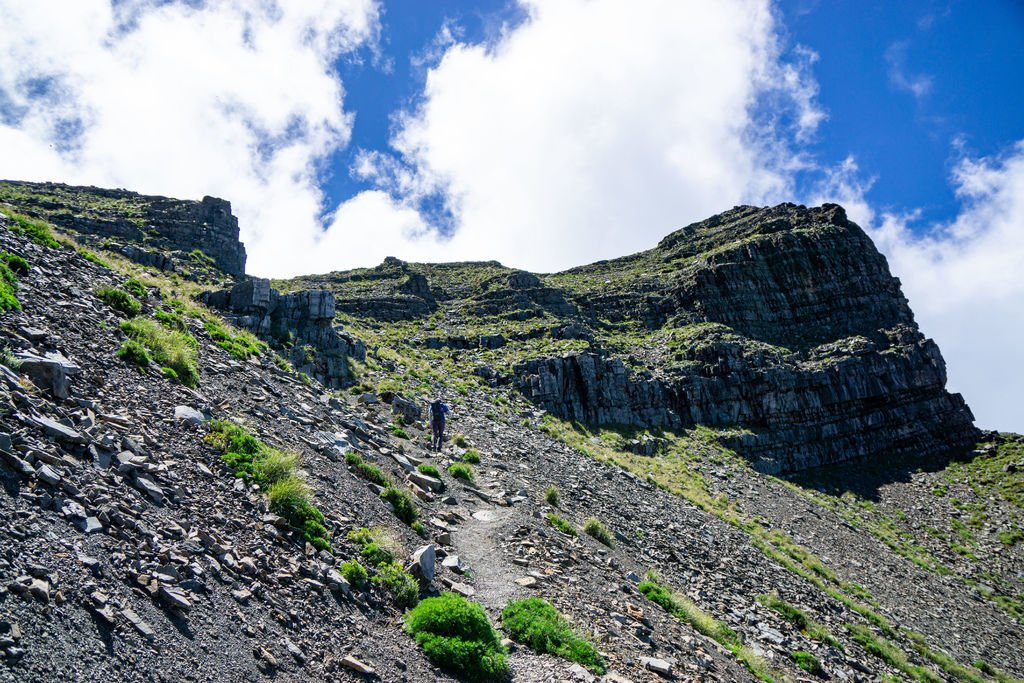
301, 323
783, 323
155, 231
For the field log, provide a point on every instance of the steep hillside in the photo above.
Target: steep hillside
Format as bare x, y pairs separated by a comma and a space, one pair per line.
156, 527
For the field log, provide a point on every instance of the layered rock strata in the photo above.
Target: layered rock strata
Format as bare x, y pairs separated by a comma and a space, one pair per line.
301, 323
155, 231
787, 326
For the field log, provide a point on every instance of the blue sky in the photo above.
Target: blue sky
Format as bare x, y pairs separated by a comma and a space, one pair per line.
551, 133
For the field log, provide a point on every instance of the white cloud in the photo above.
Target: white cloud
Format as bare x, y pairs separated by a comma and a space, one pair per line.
229, 98
963, 278
918, 85
597, 127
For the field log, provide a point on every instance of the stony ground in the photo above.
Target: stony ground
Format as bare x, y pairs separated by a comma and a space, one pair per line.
129, 551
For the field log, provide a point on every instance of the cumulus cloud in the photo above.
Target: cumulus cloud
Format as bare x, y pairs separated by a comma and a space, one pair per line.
918, 85
596, 127
230, 98
963, 278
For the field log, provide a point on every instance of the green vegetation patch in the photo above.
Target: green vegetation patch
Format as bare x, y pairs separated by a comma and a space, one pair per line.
429, 470
135, 353
461, 471
119, 300
276, 472
10, 266
561, 524
808, 662
798, 618
169, 348
93, 257
686, 610
537, 624
240, 344
890, 653
399, 583
457, 636
472, 456
354, 573
401, 503
552, 496
367, 470
36, 230
594, 528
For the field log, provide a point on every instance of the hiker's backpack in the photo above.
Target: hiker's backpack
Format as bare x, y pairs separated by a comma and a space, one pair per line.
436, 411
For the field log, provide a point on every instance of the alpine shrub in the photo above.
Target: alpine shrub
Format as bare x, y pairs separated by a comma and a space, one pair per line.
456, 635
537, 624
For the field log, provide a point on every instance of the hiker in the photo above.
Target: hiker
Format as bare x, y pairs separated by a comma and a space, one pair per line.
437, 412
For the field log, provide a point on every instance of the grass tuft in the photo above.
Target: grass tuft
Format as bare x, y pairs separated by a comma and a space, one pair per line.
402, 503
599, 532
461, 471
429, 470
176, 350
537, 624
472, 456
120, 300
561, 524
552, 496
38, 231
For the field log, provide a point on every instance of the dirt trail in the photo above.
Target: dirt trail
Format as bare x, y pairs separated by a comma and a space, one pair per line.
478, 544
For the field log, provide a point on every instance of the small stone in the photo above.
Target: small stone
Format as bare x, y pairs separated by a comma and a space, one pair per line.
175, 598
526, 582
297, 654
463, 589
40, 590
90, 525
357, 666
138, 624
48, 475
188, 415
581, 674
658, 666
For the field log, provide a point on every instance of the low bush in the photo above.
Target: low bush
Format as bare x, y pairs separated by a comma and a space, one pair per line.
400, 583
119, 300
397, 431
135, 353
456, 635
401, 502
17, 264
176, 350
429, 470
461, 471
240, 344
8, 287
807, 662
136, 288
460, 440
367, 470
377, 545
537, 624
354, 573
552, 496
170, 320
561, 524
276, 471
598, 531
472, 456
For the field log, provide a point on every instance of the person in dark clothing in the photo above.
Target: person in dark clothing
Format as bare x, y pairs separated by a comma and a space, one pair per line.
437, 412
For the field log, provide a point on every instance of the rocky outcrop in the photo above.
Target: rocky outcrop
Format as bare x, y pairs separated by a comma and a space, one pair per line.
302, 323
786, 325
155, 231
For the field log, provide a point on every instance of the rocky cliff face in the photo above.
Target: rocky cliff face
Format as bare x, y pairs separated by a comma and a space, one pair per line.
785, 324
169, 234
301, 323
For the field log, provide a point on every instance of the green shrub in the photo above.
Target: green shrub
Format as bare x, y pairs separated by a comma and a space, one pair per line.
472, 456
8, 359
460, 440
135, 353
273, 466
289, 496
176, 350
456, 635
240, 344
402, 503
807, 662
598, 531
367, 470
397, 431
429, 470
17, 264
461, 471
376, 545
136, 288
119, 300
418, 527
36, 230
354, 573
552, 495
562, 525
537, 624
93, 258
170, 320
400, 583
8, 287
